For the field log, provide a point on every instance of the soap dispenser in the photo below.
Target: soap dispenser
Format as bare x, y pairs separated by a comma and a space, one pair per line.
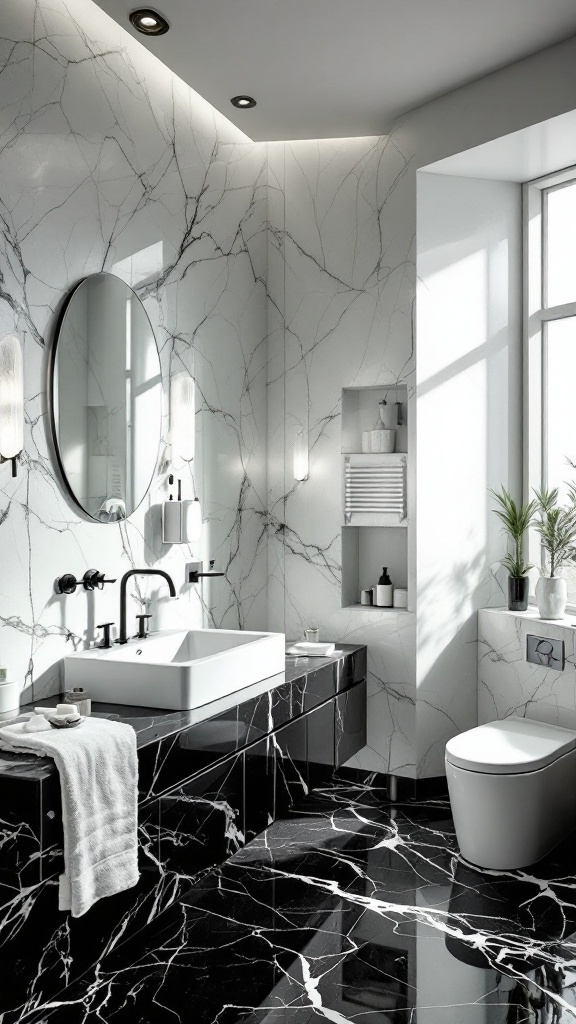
384, 590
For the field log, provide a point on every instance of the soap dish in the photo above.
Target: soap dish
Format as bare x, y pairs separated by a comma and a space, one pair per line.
65, 722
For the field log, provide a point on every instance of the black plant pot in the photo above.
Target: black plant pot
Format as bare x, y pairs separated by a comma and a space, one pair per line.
518, 590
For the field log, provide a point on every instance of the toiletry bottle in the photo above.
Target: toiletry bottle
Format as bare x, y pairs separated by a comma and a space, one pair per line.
384, 590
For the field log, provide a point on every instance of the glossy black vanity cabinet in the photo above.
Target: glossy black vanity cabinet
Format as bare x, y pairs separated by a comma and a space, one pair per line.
207, 786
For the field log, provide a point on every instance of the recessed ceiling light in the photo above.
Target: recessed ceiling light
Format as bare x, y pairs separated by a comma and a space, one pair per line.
149, 22
243, 102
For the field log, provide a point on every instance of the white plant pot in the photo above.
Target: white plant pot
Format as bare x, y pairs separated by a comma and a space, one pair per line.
551, 597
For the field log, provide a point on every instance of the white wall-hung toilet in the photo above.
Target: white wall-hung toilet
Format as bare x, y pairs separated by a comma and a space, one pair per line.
512, 787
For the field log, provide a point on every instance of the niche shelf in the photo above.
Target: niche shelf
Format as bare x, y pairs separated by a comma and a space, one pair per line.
374, 496
360, 413
364, 551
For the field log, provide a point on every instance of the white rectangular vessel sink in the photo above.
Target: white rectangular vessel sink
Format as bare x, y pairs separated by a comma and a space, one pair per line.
177, 669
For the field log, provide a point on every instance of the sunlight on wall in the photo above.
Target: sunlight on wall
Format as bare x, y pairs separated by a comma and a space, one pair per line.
468, 429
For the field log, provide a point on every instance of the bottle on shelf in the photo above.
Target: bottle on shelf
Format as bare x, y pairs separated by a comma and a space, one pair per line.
384, 590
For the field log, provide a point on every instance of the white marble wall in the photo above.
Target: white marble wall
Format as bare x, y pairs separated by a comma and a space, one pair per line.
510, 685
342, 290
469, 359
109, 162
340, 285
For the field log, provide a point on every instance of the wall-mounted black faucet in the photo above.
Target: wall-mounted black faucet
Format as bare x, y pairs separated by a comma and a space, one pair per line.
194, 576
91, 580
122, 638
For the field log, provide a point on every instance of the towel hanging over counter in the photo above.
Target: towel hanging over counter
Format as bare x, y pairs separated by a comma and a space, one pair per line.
98, 766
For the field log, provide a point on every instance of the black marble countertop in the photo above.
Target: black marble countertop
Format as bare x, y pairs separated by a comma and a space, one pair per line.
154, 724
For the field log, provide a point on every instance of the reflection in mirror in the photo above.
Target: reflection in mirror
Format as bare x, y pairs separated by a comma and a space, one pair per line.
106, 398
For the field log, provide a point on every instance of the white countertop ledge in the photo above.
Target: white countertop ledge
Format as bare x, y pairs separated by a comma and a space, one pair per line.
531, 615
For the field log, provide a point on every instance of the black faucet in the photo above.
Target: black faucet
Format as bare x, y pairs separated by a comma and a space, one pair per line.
194, 576
122, 638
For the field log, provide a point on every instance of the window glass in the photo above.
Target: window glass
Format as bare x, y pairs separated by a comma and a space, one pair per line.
561, 245
560, 434
560, 418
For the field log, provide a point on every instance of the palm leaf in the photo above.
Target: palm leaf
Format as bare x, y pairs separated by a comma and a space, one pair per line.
515, 520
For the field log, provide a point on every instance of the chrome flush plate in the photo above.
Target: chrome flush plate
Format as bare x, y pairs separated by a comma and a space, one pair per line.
545, 651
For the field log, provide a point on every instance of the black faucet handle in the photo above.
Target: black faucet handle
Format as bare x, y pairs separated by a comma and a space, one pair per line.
105, 641
66, 584
95, 580
142, 631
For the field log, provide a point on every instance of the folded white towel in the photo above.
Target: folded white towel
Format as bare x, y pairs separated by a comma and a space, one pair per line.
98, 767
309, 650
36, 723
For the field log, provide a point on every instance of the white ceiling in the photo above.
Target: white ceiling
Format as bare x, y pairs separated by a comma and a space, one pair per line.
522, 156
339, 68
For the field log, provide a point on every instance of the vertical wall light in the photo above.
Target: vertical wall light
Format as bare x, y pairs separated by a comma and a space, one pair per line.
182, 417
301, 459
11, 400
193, 523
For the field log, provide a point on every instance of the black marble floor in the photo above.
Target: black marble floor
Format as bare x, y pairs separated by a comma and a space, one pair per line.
350, 910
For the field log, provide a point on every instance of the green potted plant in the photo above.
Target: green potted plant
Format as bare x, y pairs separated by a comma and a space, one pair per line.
515, 521
556, 525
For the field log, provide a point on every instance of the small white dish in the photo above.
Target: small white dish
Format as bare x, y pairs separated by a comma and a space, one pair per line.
64, 721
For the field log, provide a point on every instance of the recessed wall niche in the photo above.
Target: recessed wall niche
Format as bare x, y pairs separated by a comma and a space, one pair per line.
374, 491
360, 413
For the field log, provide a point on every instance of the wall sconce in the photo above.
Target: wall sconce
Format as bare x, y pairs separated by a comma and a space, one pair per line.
11, 400
301, 459
182, 416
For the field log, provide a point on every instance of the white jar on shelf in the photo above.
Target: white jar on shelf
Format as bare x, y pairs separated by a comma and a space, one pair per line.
383, 440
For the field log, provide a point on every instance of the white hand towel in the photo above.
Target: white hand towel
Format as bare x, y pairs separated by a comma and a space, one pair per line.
311, 650
98, 767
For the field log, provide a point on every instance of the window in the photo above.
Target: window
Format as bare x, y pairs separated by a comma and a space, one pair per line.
550, 336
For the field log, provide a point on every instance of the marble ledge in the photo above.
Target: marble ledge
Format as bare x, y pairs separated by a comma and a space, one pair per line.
510, 685
532, 615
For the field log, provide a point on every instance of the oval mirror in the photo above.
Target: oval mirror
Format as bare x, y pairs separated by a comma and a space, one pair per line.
105, 393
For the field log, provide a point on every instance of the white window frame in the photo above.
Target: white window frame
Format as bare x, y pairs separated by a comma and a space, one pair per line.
536, 316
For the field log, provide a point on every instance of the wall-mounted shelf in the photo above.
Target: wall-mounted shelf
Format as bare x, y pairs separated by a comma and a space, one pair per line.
374, 497
374, 608
360, 413
364, 552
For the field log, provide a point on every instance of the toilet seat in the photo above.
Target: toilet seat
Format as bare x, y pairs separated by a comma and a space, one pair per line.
509, 747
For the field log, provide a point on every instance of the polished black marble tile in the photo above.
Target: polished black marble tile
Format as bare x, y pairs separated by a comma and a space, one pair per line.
202, 822
350, 723
259, 780
348, 910
287, 702
320, 686
167, 764
206, 788
320, 739
20, 833
30, 818
289, 749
